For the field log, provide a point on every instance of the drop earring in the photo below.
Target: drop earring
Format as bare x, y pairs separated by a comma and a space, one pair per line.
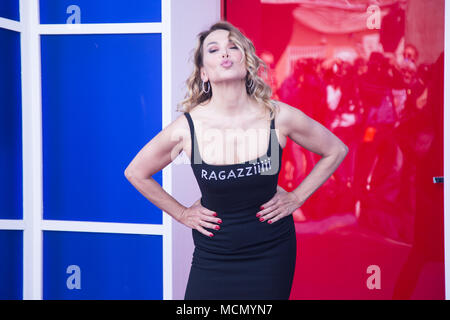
203, 87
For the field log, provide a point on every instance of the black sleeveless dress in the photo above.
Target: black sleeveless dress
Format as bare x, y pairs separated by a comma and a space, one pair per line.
246, 258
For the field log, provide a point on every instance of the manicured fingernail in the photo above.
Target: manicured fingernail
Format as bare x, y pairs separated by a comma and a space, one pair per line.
220, 221
261, 219
215, 214
210, 234
269, 221
261, 208
217, 227
258, 214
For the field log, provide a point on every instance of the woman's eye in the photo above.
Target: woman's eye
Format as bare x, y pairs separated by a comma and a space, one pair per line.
214, 50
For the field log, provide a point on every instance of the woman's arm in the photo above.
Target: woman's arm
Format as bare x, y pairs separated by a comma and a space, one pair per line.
153, 157
314, 137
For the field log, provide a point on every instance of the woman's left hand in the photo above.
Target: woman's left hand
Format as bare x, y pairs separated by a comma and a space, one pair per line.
282, 204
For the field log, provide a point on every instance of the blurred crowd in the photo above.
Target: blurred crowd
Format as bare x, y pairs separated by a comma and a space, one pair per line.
371, 105
380, 90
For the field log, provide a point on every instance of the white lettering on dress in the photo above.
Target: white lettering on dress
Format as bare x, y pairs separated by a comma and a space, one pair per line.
221, 175
231, 174
253, 169
213, 175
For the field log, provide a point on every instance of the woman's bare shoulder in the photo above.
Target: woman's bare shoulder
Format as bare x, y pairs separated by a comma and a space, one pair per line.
292, 118
283, 115
182, 127
283, 109
178, 129
286, 111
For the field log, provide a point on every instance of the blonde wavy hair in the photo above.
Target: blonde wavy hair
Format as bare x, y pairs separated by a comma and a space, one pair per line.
255, 86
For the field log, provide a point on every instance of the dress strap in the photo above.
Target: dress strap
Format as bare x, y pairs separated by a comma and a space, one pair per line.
194, 146
271, 136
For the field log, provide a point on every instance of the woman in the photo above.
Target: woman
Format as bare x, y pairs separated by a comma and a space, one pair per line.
243, 229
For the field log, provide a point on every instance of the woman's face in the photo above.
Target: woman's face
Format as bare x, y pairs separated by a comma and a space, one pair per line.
217, 48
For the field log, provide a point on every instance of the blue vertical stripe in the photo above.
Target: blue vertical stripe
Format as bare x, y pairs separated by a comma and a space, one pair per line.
11, 264
10, 127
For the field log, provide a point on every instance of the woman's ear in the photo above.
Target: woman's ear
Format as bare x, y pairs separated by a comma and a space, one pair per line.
204, 77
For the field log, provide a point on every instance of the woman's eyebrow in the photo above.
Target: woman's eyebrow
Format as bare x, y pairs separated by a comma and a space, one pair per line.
215, 42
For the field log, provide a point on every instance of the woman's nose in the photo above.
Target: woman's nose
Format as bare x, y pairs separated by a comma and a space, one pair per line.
225, 53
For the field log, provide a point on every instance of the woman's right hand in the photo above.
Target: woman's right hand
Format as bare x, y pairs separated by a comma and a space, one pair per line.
198, 217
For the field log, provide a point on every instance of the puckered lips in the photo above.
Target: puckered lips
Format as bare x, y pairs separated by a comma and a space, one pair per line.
226, 63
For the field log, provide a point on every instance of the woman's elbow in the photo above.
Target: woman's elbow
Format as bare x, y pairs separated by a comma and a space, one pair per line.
342, 152
344, 149
128, 173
